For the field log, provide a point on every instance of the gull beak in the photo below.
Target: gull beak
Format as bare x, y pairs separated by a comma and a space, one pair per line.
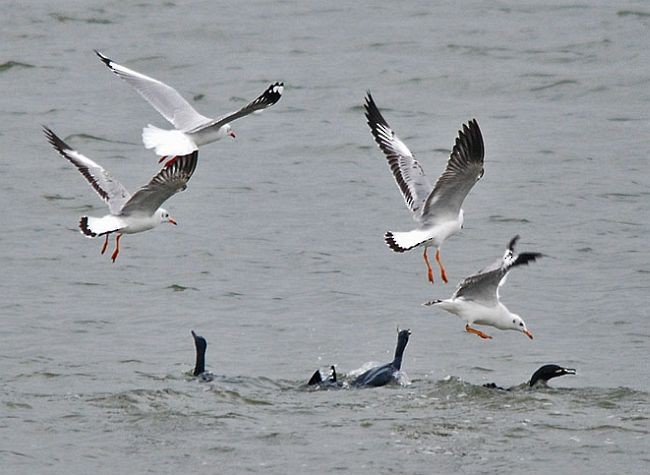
171, 221
528, 334
232, 134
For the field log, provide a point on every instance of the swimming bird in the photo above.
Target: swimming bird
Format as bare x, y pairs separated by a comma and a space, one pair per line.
329, 382
436, 209
191, 129
384, 374
199, 368
549, 371
129, 214
476, 299
540, 377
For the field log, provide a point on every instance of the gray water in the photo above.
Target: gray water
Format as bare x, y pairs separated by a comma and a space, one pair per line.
278, 259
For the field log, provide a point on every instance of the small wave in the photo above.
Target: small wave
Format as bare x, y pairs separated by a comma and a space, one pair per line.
635, 13
562, 82
65, 18
497, 218
14, 64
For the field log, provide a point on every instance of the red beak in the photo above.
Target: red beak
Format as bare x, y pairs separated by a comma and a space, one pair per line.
528, 334
171, 221
232, 134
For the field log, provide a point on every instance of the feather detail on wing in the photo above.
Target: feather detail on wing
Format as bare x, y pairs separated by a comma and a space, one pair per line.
270, 96
408, 173
167, 182
484, 285
108, 188
165, 99
464, 169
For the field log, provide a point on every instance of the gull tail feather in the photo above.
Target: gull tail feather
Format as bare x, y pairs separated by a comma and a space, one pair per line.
93, 227
405, 241
167, 142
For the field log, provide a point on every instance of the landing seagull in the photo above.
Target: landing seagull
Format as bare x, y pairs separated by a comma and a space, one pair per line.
129, 214
476, 299
191, 128
436, 209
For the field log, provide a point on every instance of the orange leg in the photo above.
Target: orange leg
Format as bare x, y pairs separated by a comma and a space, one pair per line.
429, 270
105, 244
443, 274
117, 247
477, 332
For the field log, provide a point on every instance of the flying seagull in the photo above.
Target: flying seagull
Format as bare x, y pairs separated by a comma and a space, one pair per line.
129, 214
436, 209
191, 129
476, 299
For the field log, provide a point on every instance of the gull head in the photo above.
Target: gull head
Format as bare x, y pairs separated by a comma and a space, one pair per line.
519, 325
228, 131
164, 216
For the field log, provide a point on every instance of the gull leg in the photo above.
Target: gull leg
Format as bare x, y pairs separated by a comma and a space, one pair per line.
429, 270
469, 329
171, 161
105, 244
117, 247
443, 274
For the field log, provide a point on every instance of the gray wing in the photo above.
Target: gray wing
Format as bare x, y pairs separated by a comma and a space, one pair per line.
108, 188
484, 285
464, 169
167, 182
270, 96
408, 173
165, 99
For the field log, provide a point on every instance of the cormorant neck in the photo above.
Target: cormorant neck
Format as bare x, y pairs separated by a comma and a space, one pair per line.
200, 362
402, 340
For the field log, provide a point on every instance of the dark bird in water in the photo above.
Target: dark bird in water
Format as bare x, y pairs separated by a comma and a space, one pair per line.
548, 371
539, 377
329, 382
384, 374
199, 368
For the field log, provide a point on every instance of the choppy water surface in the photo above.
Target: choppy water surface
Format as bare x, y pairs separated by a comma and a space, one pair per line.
279, 260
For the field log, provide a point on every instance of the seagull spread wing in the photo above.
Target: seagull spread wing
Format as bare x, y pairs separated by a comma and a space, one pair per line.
167, 182
408, 173
484, 285
270, 96
108, 188
464, 169
165, 99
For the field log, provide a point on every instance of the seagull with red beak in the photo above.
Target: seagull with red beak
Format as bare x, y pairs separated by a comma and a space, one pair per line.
129, 214
476, 299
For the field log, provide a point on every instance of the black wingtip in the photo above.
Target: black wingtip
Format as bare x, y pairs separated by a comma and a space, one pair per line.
58, 144
469, 142
105, 59
83, 226
513, 242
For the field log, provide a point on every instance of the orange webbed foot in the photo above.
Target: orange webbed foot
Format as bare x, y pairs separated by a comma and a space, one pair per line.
485, 336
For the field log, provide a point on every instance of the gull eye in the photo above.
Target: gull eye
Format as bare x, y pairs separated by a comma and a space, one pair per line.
521, 324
